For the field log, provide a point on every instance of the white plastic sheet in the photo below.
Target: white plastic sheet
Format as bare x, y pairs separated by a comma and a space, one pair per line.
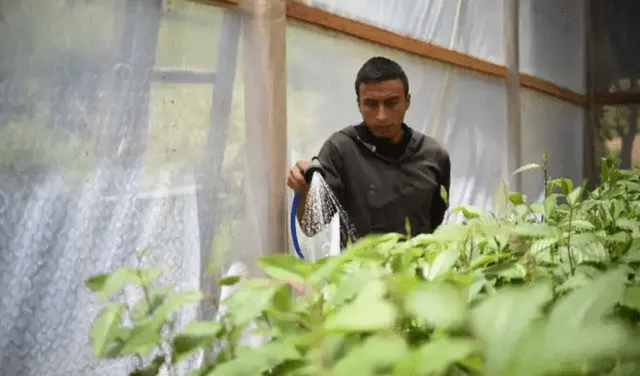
463, 110
552, 41
112, 140
556, 127
474, 27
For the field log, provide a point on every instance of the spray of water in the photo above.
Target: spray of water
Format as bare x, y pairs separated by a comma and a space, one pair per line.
321, 206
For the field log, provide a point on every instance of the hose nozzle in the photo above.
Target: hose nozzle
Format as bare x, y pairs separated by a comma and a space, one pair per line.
312, 168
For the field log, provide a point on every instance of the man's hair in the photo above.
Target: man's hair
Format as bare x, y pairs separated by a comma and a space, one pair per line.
379, 69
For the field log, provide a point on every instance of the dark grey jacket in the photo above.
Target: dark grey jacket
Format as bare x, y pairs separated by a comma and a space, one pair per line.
378, 193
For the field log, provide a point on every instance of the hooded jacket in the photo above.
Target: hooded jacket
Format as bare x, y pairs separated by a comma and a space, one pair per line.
379, 193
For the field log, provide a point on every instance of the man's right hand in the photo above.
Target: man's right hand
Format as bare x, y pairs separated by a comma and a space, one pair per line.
295, 180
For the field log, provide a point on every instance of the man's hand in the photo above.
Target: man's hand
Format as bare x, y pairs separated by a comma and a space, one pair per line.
295, 179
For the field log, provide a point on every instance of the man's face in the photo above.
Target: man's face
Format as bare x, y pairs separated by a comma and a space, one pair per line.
383, 106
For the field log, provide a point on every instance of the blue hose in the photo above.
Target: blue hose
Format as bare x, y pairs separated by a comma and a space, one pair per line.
292, 225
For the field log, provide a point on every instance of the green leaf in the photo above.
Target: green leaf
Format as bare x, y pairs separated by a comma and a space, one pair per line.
353, 284
401, 285
143, 338
566, 185
439, 305
527, 167
469, 212
543, 244
563, 350
517, 198
444, 194
327, 270
108, 284
369, 311
591, 302
366, 358
435, 357
573, 282
246, 304
174, 302
486, 259
152, 369
534, 230
509, 270
575, 196
443, 263
578, 224
105, 329
156, 297
256, 361
196, 335
619, 237
285, 267
632, 297
628, 224
229, 280
501, 320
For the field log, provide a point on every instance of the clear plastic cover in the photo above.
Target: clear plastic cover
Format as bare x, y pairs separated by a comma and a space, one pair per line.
121, 129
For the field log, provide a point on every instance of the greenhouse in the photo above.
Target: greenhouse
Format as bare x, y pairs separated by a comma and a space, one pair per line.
167, 126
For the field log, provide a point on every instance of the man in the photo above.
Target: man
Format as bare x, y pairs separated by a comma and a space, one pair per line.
382, 171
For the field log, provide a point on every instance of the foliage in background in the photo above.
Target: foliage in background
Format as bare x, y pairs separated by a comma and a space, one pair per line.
545, 288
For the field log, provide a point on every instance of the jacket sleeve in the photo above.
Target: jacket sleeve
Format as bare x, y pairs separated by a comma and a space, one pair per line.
331, 162
439, 205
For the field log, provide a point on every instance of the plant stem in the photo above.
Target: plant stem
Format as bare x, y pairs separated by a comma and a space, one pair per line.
470, 245
145, 290
545, 171
571, 264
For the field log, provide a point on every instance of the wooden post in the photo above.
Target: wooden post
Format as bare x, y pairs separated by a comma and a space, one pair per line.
265, 84
511, 13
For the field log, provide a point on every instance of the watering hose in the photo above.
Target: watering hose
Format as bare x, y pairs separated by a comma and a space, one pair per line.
313, 167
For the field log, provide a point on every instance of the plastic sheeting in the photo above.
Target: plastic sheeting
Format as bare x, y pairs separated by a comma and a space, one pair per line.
556, 127
552, 41
111, 131
464, 111
122, 128
474, 27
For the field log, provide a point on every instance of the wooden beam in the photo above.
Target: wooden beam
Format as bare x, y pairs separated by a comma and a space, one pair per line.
617, 99
552, 89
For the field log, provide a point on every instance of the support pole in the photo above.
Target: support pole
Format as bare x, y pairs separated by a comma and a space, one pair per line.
511, 13
265, 85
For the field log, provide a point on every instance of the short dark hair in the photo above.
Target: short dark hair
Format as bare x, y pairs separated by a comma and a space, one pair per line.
379, 69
